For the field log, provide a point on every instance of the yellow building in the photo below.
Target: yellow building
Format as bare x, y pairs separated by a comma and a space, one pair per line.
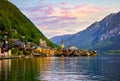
45, 50
9, 52
39, 49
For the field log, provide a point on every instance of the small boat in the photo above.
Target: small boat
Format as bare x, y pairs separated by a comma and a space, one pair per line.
37, 55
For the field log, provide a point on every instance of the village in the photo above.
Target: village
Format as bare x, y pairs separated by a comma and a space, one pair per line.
14, 47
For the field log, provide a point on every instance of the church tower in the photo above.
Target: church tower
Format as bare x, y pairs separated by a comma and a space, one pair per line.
62, 43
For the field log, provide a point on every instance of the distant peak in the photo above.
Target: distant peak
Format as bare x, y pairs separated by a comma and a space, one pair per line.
111, 15
118, 13
96, 22
107, 18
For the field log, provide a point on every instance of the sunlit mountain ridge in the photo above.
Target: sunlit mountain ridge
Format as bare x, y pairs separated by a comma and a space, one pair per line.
102, 35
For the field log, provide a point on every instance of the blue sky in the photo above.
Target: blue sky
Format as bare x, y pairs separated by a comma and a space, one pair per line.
58, 17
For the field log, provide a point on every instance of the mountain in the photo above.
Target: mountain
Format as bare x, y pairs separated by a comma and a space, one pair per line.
103, 35
18, 25
57, 39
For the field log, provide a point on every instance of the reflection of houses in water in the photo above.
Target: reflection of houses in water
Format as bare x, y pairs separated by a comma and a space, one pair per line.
46, 67
5, 66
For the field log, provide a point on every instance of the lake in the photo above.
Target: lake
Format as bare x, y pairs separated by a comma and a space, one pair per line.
98, 68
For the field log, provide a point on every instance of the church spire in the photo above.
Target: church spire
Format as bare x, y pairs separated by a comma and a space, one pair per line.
62, 43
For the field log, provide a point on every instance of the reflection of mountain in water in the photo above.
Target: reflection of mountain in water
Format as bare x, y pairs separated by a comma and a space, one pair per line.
79, 69
102, 68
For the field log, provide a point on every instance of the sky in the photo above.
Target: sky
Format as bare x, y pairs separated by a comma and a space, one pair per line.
59, 17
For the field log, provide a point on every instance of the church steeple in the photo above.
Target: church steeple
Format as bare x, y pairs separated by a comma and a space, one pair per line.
62, 43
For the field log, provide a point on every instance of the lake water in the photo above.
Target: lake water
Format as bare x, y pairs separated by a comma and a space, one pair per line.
99, 68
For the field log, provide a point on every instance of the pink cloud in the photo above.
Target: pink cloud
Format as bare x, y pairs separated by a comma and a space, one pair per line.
63, 11
53, 17
44, 9
87, 9
64, 3
66, 17
79, 10
50, 14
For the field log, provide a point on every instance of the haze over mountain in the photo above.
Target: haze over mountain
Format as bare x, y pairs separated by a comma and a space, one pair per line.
17, 25
103, 35
57, 39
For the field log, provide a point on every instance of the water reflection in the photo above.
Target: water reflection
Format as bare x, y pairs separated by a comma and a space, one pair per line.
5, 68
105, 68
82, 69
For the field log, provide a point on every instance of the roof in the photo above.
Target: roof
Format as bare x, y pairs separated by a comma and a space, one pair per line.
17, 43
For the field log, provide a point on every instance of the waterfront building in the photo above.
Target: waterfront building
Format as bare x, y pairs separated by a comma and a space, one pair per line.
72, 48
45, 50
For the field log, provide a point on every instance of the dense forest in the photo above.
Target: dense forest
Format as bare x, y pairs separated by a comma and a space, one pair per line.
18, 25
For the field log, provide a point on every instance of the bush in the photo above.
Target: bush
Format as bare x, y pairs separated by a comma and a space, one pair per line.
26, 52
14, 51
20, 52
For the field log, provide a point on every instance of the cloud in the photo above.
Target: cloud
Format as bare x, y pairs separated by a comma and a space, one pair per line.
88, 9
80, 10
62, 28
64, 3
59, 31
63, 11
60, 18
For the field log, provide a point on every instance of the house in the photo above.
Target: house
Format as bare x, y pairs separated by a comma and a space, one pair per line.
4, 51
41, 49
28, 46
52, 52
36, 49
20, 45
43, 42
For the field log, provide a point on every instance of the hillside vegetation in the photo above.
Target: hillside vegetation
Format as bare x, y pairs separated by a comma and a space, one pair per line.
17, 25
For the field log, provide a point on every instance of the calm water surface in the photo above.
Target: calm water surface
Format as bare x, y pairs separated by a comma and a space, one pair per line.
99, 68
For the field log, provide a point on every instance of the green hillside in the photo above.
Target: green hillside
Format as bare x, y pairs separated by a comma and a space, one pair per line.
11, 20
